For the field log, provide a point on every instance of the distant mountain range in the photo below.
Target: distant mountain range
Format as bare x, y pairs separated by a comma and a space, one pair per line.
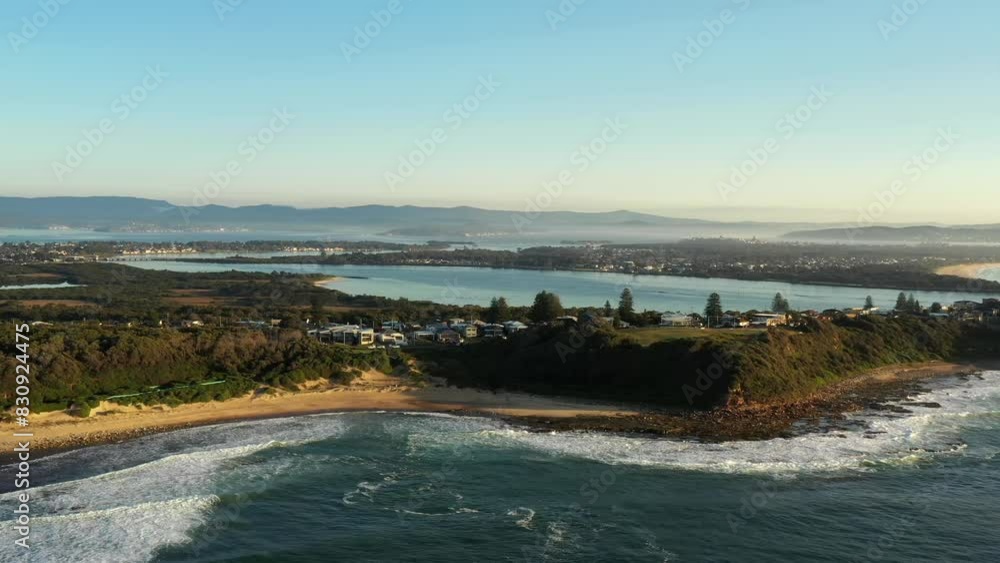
138, 214
120, 212
973, 234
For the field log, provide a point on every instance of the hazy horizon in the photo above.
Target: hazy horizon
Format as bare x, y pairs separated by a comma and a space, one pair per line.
457, 104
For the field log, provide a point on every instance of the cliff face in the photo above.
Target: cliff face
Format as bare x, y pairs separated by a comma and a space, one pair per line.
706, 370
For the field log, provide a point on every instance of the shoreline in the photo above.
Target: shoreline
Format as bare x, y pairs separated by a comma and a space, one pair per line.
322, 283
112, 423
968, 271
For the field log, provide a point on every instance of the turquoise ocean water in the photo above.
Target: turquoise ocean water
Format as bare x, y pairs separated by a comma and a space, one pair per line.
919, 483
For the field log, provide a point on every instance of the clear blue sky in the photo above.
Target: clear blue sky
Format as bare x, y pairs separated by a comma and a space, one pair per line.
557, 87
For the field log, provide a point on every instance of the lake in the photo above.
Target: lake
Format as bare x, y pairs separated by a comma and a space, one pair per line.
462, 286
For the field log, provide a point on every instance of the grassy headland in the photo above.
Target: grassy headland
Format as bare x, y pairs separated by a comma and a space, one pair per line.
685, 368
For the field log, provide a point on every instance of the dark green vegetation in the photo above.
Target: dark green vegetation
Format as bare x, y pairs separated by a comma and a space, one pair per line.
82, 364
118, 335
685, 367
121, 294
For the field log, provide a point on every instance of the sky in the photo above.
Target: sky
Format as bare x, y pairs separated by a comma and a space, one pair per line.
807, 110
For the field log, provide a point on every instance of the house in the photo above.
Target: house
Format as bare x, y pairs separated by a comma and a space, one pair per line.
965, 306
733, 320
192, 324
391, 338
565, 319
514, 326
675, 320
492, 331
466, 330
857, 312
345, 334
769, 319
392, 325
449, 337
423, 335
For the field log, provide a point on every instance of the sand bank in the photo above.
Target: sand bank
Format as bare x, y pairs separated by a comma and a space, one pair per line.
323, 282
971, 271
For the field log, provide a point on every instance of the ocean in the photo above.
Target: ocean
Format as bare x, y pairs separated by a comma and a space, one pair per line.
915, 482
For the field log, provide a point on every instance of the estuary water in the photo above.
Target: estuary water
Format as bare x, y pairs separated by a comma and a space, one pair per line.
464, 286
917, 484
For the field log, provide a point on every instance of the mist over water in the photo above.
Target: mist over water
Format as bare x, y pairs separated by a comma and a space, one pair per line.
918, 485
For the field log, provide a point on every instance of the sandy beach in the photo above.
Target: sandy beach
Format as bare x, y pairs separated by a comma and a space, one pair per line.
323, 282
372, 392
971, 271
375, 391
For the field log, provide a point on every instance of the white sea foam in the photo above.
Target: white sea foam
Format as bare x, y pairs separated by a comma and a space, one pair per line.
891, 439
116, 535
524, 516
146, 501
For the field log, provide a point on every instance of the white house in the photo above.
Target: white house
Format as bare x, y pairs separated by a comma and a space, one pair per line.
769, 319
675, 320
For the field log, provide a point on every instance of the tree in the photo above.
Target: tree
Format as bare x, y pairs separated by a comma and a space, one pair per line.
608, 311
911, 304
869, 303
713, 309
499, 310
780, 304
626, 305
901, 302
547, 307
937, 308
